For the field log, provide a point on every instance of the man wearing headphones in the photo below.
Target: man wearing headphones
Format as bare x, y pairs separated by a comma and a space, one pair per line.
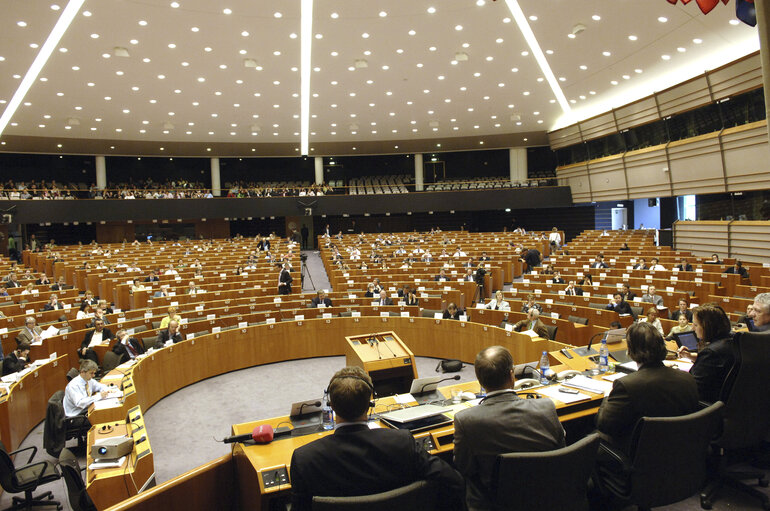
356, 460
501, 423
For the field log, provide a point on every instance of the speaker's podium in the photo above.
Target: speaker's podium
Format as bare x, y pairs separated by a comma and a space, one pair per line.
385, 358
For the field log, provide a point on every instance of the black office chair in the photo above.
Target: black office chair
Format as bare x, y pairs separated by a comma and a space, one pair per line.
26, 479
59, 428
418, 496
637, 311
578, 320
667, 462
746, 417
76, 488
552, 331
110, 362
523, 480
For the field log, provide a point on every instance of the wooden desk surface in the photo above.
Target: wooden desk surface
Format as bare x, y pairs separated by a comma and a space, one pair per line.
256, 462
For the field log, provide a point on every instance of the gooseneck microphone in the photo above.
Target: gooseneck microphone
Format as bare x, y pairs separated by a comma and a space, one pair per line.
455, 377
303, 405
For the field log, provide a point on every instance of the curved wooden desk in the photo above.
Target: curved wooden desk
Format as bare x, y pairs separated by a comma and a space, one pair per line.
188, 362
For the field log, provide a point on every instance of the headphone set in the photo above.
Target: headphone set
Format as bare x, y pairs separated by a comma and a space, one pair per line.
354, 377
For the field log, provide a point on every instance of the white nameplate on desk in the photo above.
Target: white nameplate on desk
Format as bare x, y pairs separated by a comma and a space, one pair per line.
243, 324
270, 321
211, 316
216, 330
183, 321
326, 315
438, 315
355, 314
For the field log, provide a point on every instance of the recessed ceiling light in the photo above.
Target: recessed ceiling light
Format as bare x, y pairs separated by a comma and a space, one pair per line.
245, 33
431, 10
86, 13
638, 71
506, 20
277, 15
592, 92
21, 23
583, 67
499, 40
697, 41
571, 36
489, 58
432, 48
681, 49
319, 36
63, 50
207, 49
458, 27
119, 73
662, 19
185, 64
227, 10
94, 36
171, 45
606, 53
383, 14
412, 32
161, 77
514, 70
626, 77
524, 53
419, 64
614, 82
194, 29
476, 74
526, 93
334, 15
145, 60
596, 17
75, 68
292, 35
106, 55
632, 38
665, 57
142, 23
175, 5
365, 35
201, 79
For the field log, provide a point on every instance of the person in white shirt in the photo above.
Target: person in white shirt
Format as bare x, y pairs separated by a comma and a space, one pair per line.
655, 265
170, 271
499, 303
554, 238
83, 390
459, 253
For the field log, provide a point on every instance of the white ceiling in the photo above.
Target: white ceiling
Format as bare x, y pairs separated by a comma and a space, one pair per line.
411, 88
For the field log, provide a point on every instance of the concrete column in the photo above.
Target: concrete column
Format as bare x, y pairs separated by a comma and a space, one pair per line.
319, 170
418, 173
216, 187
101, 172
517, 157
763, 27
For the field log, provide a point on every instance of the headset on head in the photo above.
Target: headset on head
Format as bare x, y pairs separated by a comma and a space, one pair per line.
354, 377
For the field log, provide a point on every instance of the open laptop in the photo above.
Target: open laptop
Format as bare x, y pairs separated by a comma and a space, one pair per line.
417, 418
687, 339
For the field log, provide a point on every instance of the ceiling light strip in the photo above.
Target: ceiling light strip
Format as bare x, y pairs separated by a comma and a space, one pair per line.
306, 44
67, 15
534, 46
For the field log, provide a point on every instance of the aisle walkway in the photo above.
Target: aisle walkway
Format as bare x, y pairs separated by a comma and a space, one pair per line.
314, 270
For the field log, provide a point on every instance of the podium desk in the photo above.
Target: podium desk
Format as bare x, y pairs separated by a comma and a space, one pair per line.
385, 358
108, 486
263, 471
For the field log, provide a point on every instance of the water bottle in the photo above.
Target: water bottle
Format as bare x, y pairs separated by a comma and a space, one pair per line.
604, 363
327, 415
545, 368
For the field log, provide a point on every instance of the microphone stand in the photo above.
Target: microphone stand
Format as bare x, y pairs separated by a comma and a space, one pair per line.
586, 351
433, 395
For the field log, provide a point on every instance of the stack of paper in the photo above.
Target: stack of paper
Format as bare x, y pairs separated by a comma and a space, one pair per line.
584, 383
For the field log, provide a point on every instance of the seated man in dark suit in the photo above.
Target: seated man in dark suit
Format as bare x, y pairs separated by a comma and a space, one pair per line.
95, 337
384, 299
17, 360
441, 275
53, 303
619, 305
626, 292
683, 265
599, 263
682, 310
653, 391
356, 460
452, 312
532, 323
501, 423
170, 333
738, 269
153, 277
321, 298
60, 285
127, 347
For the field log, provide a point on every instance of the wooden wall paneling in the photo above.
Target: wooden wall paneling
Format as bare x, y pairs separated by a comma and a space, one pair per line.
696, 165
736, 77
216, 228
608, 178
684, 96
749, 241
576, 177
599, 126
745, 152
564, 137
702, 238
646, 173
637, 113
